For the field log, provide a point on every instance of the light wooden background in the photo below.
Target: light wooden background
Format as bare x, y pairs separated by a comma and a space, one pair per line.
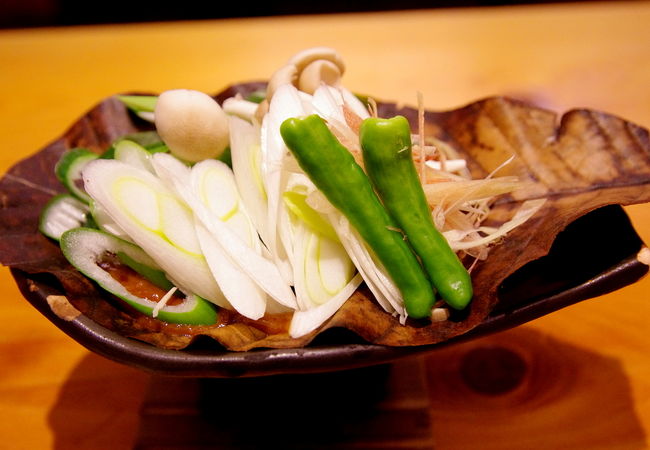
588, 384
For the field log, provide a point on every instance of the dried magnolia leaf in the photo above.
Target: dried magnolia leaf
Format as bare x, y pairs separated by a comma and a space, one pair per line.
587, 160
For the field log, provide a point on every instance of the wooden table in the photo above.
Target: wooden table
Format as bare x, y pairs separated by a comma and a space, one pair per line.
589, 364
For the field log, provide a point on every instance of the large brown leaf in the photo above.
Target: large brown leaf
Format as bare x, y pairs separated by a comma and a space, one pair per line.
587, 160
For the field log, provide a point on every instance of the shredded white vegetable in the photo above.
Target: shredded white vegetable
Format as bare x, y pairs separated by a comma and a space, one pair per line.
456, 238
163, 301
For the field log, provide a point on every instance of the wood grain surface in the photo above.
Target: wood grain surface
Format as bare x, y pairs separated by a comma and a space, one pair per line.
577, 378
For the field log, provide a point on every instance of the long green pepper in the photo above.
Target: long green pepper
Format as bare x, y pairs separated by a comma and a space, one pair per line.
334, 171
386, 148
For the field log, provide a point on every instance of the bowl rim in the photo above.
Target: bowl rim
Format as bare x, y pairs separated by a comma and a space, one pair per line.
191, 362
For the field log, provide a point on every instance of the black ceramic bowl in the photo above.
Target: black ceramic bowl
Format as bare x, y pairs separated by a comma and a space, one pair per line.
573, 271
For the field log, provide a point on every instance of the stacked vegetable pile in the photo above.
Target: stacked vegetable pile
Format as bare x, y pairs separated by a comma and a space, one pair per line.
266, 216
295, 226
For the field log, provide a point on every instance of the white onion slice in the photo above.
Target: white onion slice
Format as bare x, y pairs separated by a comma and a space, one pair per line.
246, 157
258, 268
244, 295
136, 211
304, 322
286, 103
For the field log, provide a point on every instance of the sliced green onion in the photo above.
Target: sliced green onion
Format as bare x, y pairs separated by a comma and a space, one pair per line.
139, 103
68, 170
157, 221
62, 213
250, 261
134, 154
105, 223
85, 248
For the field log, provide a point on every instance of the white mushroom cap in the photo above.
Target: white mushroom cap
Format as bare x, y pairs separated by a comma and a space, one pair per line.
318, 72
192, 124
304, 58
287, 74
306, 70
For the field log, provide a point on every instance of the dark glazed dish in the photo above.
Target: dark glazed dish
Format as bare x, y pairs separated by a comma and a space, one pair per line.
586, 166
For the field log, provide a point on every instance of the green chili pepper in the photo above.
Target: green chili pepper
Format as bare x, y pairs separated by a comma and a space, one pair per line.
386, 147
332, 168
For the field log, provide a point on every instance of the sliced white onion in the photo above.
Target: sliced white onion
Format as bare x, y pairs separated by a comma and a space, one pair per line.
258, 268
244, 295
304, 322
379, 283
286, 103
246, 157
130, 197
